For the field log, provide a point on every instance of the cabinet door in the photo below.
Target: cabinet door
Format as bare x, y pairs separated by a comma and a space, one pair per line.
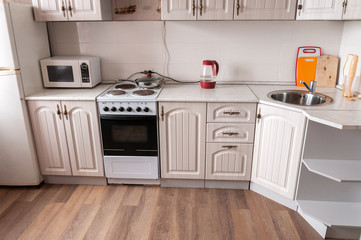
50, 139
215, 9
179, 9
277, 149
353, 10
319, 10
265, 9
80, 10
182, 139
227, 161
50, 10
83, 136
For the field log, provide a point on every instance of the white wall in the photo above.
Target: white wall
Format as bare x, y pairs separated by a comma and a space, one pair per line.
248, 51
351, 44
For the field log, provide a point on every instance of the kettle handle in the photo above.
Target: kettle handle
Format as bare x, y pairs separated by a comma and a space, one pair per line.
217, 68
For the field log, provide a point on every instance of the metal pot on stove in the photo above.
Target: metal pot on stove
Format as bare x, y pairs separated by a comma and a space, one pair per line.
150, 81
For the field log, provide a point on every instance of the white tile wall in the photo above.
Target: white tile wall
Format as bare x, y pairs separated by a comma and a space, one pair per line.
351, 44
248, 51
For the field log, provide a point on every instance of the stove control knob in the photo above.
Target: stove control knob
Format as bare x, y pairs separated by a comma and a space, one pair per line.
113, 109
146, 109
138, 109
121, 109
129, 109
106, 109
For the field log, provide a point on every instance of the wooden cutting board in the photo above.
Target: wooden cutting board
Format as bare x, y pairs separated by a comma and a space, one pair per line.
326, 71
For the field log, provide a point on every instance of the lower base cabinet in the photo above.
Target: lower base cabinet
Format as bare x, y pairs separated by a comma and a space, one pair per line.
67, 137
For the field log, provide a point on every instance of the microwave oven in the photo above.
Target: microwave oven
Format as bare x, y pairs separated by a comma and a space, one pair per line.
71, 71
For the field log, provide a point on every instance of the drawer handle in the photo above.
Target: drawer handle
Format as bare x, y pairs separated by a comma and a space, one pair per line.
229, 146
230, 133
58, 111
231, 113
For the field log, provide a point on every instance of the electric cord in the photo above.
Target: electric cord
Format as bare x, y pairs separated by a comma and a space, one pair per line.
150, 72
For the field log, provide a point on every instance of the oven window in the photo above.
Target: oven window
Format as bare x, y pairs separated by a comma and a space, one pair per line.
129, 135
60, 73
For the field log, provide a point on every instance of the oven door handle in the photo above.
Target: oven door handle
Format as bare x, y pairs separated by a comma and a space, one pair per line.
143, 150
126, 117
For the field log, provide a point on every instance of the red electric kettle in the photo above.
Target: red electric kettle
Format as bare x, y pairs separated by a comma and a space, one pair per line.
209, 73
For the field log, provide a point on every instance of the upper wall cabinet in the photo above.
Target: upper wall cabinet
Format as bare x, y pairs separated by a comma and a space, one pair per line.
72, 10
265, 9
328, 9
197, 9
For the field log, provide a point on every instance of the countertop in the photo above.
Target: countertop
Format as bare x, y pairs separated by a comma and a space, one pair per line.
80, 94
194, 93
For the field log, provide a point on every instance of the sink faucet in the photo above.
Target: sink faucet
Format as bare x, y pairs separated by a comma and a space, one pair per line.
311, 88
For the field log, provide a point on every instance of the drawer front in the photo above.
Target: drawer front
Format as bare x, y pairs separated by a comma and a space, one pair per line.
225, 161
231, 112
230, 132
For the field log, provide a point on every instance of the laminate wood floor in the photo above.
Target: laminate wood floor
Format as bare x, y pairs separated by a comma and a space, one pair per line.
136, 212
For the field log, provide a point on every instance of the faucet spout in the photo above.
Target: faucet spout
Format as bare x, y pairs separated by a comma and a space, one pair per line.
312, 88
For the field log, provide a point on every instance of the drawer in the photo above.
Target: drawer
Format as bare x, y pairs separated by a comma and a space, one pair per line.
231, 112
225, 161
230, 132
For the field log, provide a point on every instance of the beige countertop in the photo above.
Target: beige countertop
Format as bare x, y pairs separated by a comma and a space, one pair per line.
80, 94
194, 93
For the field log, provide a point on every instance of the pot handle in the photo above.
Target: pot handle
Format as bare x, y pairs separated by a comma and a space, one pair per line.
217, 68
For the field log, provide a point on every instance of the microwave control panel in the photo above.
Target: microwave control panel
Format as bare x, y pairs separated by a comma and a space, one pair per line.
85, 73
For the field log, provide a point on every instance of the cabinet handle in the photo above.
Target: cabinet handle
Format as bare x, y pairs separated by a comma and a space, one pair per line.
230, 133
63, 8
238, 7
58, 111
229, 146
66, 113
70, 8
231, 113
194, 7
344, 5
162, 113
259, 116
200, 8
299, 8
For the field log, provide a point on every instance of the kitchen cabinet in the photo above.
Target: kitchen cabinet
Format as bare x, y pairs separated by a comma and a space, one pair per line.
277, 149
72, 10
328, 10
329, 188
67, 137
197, 9
265, 10
182, 129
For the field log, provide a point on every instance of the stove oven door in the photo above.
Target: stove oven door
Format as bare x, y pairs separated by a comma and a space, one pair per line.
129, 135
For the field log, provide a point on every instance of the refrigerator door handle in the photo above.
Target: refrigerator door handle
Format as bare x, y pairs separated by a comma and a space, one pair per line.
9, 70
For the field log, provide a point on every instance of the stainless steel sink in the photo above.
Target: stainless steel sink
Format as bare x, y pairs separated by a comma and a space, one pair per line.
298, 97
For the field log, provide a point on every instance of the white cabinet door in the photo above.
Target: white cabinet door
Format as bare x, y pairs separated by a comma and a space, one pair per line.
226, 161
179, 9
265, 9
83, 137
215, 9
50, 10
319, 10
80, 10
182, 139
50, 137
352, 10
277, 149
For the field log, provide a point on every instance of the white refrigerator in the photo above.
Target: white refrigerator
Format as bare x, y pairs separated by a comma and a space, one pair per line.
23, 43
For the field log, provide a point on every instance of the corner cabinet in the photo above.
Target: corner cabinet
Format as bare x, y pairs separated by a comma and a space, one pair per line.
328, 10
265, 9
277, 149
197, 9
72, 10
67, 137
182, 129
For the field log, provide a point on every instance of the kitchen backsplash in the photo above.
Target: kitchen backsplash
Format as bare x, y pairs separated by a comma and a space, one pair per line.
248, 51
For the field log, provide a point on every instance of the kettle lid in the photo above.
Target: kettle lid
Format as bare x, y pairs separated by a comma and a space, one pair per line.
208, 62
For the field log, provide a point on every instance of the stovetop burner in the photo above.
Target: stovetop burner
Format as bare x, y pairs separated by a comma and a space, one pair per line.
125, 86
116, 92
143, 92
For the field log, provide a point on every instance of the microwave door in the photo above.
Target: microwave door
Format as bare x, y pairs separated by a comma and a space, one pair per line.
57, 74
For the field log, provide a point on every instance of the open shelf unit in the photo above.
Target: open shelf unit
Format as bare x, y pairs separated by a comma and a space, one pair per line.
329, 184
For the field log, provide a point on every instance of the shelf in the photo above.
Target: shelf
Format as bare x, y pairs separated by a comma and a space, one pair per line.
337, 170
339, 214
